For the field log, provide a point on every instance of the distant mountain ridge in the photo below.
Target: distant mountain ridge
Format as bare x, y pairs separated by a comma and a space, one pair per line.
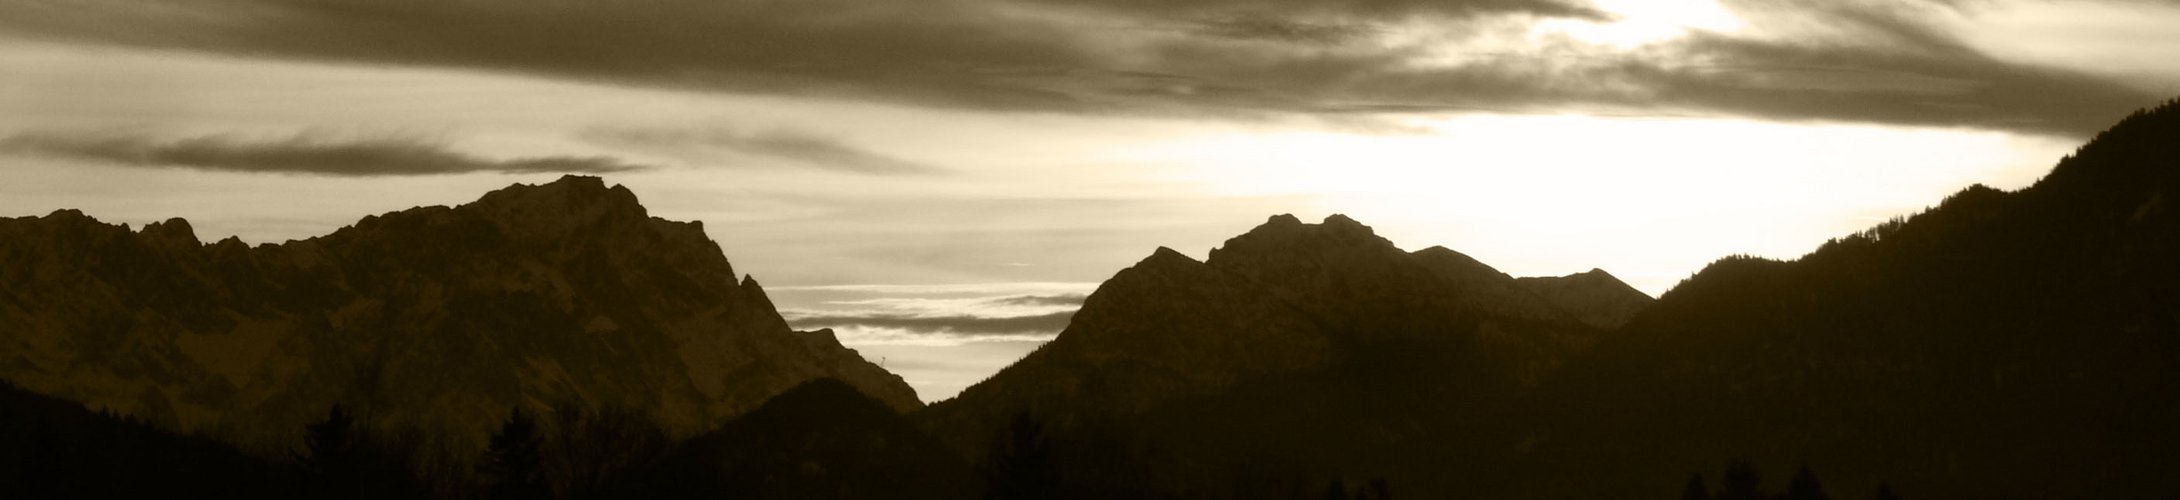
436, 317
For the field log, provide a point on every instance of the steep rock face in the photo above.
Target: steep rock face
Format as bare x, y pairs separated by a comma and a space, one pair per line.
437, 317
1284, 314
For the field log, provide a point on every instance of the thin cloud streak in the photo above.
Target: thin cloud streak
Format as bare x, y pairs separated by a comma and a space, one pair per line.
1798, 60
301, 154
959, 325
799, 147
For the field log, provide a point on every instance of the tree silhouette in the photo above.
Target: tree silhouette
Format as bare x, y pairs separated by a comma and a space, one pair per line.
1884, 492
1695, 489
511, 463
1378, 489
1804, 486
1022, 462
1336, 491
1741, 481
329, 449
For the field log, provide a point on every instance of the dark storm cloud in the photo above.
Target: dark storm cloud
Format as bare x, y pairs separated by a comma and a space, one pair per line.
938, 52
300, 154
957, 325
805, 148
1879, 62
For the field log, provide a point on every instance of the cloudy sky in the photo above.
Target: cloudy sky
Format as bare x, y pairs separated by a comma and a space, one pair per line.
941, 180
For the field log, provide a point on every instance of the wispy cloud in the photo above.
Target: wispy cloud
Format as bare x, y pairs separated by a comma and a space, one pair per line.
937, 319
1882, 62
306, 154
961, 325
801, 147
987, 289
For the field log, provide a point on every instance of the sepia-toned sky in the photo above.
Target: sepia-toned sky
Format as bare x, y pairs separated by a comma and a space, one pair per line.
942, 180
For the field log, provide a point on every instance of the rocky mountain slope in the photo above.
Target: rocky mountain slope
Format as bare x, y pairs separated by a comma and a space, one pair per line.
1290, 326
434, 317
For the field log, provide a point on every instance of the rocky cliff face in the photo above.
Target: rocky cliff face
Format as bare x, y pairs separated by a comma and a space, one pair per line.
437, 317
1279, 315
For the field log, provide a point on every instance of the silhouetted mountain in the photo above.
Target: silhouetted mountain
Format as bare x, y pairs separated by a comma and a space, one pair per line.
1320, 327
435, 317
2000, 345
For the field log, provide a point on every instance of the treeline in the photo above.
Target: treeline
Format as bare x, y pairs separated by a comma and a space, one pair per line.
823, 439
54, 448
1741, 481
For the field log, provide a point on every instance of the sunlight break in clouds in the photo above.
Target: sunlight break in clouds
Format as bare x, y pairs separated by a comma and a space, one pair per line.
1648, 199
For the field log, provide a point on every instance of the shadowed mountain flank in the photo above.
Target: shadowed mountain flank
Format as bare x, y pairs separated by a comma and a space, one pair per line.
435, 317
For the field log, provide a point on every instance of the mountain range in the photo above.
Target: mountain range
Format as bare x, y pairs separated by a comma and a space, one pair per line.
436, 318
1998, 345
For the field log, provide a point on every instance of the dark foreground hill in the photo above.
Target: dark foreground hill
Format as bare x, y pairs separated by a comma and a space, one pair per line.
434, 318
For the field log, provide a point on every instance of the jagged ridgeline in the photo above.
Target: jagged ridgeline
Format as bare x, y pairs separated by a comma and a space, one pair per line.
434, 318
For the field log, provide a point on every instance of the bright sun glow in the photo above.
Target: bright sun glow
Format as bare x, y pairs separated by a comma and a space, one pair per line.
1640, 22
1647, 199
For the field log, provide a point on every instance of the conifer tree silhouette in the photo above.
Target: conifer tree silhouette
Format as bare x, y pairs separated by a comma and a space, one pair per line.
1022, 463
1695, 490
330, 451
1336, 491
1741, 482
512, 462
1804, 486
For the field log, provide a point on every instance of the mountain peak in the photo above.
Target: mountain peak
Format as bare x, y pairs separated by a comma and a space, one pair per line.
571, 194
1285, 234
172, 231
1343, 222
1164, 254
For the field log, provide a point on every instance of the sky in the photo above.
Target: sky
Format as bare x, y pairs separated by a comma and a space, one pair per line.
942, 181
